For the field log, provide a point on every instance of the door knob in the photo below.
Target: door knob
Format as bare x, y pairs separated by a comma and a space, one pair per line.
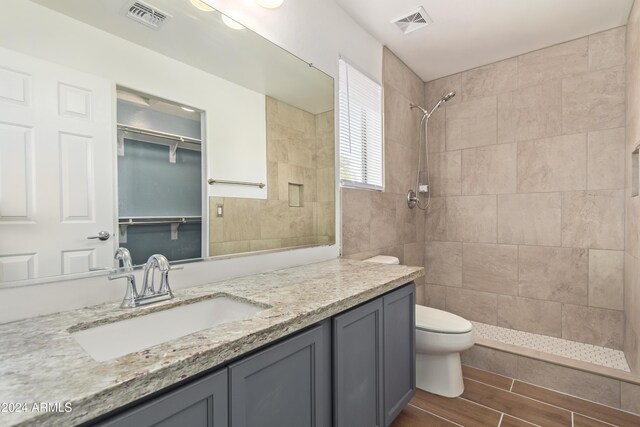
102, 235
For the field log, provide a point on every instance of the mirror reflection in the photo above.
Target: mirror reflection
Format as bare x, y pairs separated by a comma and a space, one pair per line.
191, 137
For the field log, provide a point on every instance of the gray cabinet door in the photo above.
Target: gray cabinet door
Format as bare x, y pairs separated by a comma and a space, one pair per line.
357, 367
399, 350
286, 385
202, 403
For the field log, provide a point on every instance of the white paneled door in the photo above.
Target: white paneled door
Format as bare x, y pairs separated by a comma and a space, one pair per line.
56, 169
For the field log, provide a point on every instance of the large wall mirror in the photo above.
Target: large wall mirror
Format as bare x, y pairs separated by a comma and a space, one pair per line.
159, 127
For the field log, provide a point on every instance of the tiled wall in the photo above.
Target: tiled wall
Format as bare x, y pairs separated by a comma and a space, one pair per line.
300, 150
376, 222
526, 229
632, 244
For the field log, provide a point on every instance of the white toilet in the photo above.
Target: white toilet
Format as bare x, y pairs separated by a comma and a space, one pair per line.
440, 337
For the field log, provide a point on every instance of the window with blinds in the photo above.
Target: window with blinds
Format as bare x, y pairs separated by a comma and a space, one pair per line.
360, 129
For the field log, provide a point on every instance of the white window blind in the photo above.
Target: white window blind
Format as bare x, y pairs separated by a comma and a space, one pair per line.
360, 129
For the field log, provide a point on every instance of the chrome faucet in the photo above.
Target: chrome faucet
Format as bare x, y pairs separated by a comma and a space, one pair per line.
160, 263
123, 256
148, 293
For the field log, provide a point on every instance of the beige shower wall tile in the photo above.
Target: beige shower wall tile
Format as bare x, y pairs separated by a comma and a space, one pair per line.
530, 219
302, 152
632, 347
606, 159
436, 220
594, 101
561, 60
630, 397
491, 360
435, 296
436, 89
273, 220
593, 219
531, 112
356, 221
326, 184
226, 248
471, 219
490, 268
409, 222
554, 274
571, 381
280, 113
436, 131
266, 244
273, 188
530, 315
489, 170
592, 325
446, 169
326, 219
397, 75
607, 49
553, 164
401, 165
277, 149
472, 305
490, 79
443, 263
606, 279
301, 221
472, 123
384, 233
400, 122
414, 254
242, 219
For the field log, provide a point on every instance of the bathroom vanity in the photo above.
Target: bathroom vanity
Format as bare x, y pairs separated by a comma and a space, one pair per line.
332, 344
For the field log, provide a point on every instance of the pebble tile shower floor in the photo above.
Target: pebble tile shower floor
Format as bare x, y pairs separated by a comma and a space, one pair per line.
597, 355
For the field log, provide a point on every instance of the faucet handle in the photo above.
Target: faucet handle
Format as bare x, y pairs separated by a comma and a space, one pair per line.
131, 295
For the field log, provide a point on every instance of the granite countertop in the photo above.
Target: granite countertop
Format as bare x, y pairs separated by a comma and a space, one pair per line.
41, 362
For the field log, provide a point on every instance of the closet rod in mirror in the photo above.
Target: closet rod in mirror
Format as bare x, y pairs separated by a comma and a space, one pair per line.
158, 134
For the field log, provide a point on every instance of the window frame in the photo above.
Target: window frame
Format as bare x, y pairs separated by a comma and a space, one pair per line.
346, 183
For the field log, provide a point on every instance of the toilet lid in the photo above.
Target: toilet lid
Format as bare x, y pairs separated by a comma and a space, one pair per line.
434, 320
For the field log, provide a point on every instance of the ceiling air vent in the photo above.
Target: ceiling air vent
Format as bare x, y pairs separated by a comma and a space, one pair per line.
413, 21
147, 15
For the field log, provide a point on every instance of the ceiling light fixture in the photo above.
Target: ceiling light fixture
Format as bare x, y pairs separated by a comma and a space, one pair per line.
202, 5
270, 4
231, 23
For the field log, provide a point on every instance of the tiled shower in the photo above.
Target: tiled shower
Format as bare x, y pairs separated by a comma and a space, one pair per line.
531, 176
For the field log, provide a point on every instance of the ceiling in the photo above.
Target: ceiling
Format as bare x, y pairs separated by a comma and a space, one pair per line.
469, 33
201, 40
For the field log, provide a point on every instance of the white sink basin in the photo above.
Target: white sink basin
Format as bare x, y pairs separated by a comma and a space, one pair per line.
116, 339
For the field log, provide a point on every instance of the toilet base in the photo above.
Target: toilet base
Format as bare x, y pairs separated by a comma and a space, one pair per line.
439, 374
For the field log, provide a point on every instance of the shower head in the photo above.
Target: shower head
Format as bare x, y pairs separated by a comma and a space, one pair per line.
448, 96
427, 113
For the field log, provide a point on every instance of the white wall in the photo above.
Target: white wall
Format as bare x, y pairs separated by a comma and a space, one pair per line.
318, 31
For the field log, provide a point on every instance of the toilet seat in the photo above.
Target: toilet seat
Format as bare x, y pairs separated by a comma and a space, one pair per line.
438, 321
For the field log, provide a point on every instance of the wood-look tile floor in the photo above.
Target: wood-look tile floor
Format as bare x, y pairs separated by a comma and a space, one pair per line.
491, 400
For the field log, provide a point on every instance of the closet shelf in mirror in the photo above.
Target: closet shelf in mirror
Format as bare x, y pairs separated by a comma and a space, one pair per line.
159, 220
158, 134
171, 140
174, 221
